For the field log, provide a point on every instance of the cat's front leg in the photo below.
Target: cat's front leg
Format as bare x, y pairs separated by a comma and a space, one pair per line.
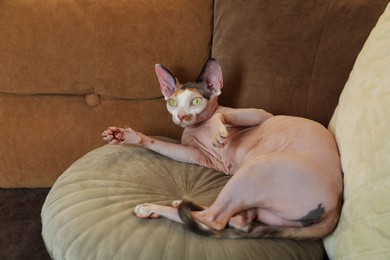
178, 152
118, 135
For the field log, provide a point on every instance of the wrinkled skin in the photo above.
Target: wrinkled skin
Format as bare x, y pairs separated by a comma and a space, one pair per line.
283, 168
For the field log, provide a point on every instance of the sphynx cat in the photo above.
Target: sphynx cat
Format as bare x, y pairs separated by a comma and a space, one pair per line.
286, 175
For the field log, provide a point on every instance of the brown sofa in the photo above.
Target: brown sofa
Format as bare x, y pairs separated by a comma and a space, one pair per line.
69, 69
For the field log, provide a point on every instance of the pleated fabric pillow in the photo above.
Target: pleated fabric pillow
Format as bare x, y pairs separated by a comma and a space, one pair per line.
88, 213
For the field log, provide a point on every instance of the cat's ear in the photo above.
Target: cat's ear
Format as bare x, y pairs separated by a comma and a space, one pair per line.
212, 74
167, 81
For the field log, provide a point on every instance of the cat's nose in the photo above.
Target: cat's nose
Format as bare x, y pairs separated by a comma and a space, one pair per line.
184, 117
181, 116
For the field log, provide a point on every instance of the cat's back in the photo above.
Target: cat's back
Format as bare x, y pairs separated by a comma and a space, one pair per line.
289, 134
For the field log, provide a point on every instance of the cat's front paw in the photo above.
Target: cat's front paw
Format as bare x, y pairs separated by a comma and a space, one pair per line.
218, 139
117, 135
218, 133
113, 135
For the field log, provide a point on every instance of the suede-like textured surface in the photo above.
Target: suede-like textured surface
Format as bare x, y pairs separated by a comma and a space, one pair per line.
47, 47
53, 54
107, 47
290, 57
44, 135
132, 36
20, 224
88, 213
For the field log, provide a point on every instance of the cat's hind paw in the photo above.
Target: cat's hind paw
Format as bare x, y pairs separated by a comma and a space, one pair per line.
176, 203
145, 211
241, 223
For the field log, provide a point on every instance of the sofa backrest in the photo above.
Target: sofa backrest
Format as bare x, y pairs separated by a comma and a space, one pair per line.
104, 47
70, 69
290, 57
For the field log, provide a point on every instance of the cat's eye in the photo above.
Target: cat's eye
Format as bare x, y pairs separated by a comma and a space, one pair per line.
197, 101
172, 102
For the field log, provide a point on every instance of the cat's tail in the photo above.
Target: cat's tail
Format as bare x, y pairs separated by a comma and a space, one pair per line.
312, 232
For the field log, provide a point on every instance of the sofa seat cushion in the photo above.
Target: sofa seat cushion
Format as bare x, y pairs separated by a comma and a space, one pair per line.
361, 125
88, 213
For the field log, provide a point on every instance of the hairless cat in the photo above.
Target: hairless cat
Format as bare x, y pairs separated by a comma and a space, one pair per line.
286, 175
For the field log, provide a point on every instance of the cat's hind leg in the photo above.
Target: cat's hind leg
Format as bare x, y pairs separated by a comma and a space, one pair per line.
244, 191
149, 210
243, 220
196, 207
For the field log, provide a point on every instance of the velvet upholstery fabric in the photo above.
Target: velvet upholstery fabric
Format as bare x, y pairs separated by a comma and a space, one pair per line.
106, 47
132, 36
69, 69
55, 54
47, 47
290, 57
45, 134
88, 213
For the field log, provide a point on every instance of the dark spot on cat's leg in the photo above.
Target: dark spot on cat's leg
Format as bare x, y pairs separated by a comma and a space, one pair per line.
313, 217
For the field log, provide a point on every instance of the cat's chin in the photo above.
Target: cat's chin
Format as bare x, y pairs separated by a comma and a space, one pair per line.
186, 124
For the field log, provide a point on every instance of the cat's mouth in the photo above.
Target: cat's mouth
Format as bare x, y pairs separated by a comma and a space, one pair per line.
187, 123
186, 120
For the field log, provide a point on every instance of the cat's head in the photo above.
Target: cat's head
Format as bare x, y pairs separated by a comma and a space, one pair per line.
193, 102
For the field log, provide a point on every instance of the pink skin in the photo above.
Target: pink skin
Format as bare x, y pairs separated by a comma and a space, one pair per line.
240, 221
282, 167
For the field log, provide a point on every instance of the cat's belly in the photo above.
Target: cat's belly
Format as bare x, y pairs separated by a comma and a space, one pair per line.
277, 134
229, 157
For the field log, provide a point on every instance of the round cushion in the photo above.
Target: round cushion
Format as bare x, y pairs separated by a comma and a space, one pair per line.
88, 213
